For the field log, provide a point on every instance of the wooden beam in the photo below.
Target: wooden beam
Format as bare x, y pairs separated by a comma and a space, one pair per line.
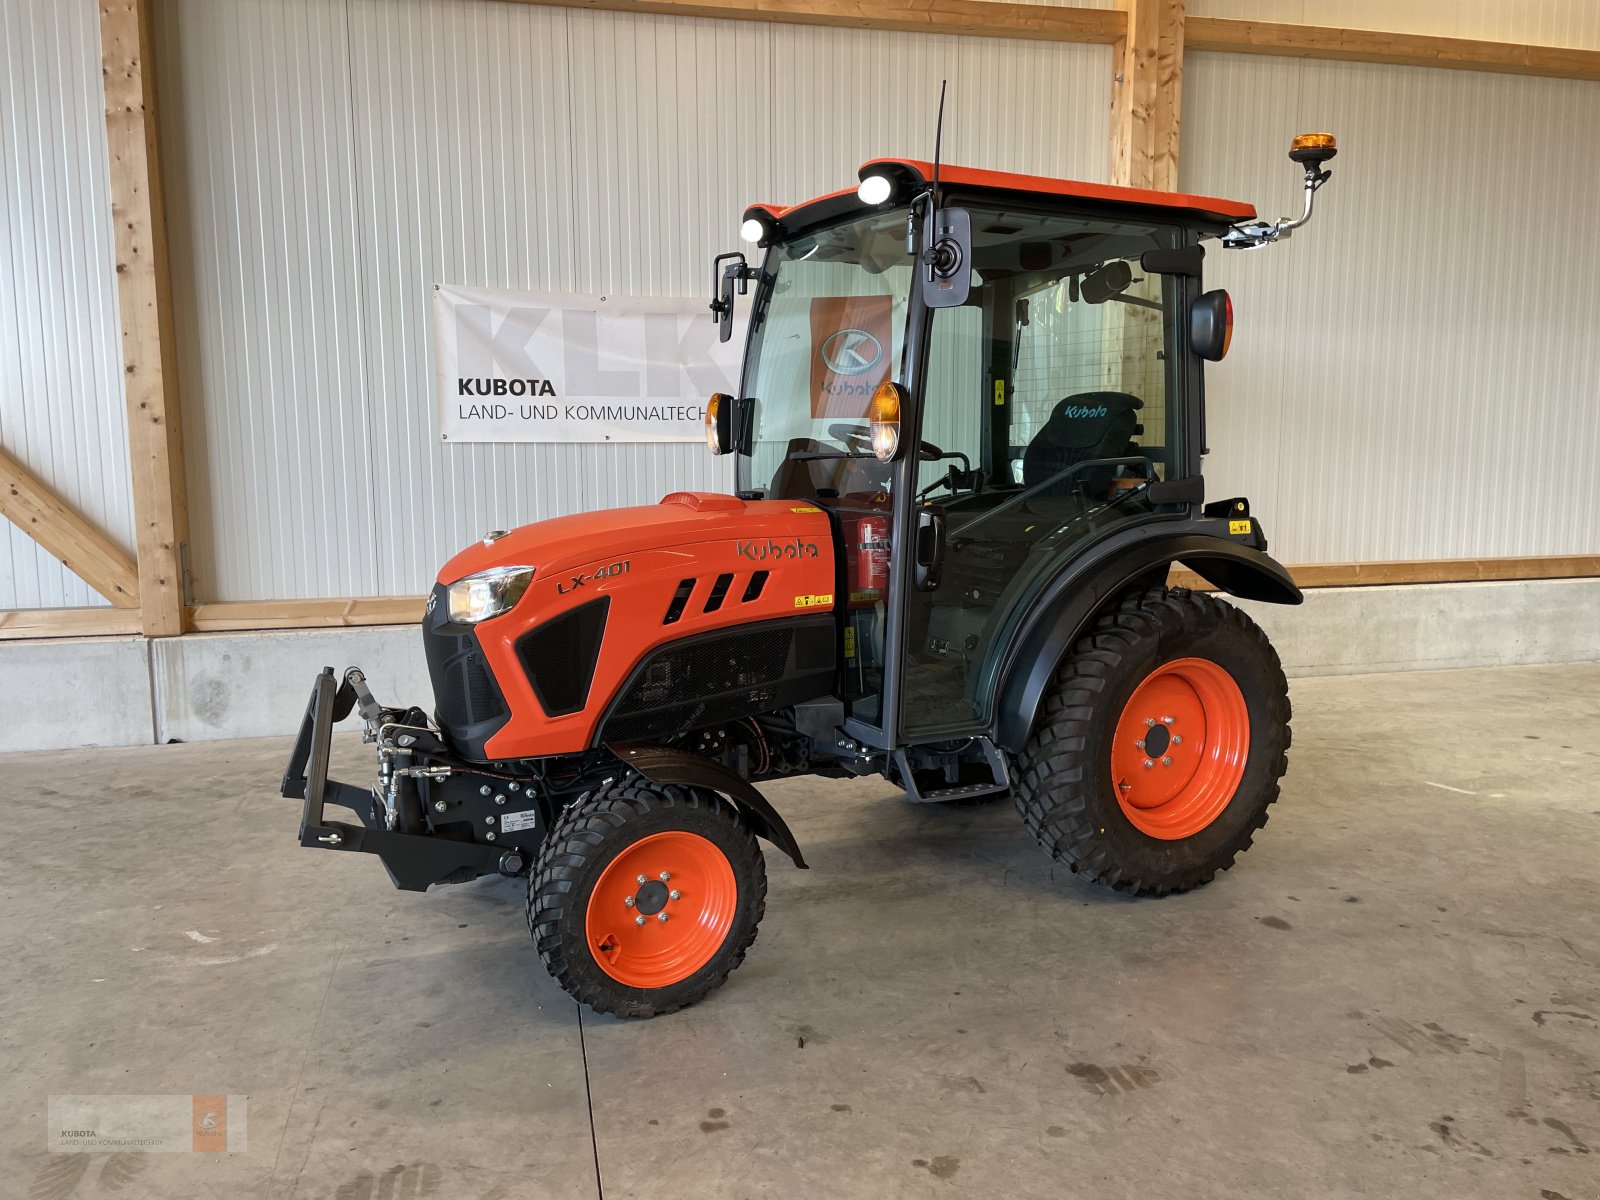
1438, 570
306, 614
67, 622
1399, 49
971, 18
1147, 95
29, 503
144, 293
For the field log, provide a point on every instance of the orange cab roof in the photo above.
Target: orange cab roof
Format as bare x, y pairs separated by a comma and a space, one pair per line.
975, 179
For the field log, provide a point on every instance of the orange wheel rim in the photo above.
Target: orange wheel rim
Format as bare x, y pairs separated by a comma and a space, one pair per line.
1180, 747
661, 909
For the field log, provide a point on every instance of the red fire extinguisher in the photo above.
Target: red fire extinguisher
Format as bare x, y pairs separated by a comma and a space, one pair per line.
872, 557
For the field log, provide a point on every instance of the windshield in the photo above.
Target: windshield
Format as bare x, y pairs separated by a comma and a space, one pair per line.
828, 327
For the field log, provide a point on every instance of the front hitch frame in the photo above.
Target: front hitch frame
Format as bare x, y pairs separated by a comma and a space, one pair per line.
415, 861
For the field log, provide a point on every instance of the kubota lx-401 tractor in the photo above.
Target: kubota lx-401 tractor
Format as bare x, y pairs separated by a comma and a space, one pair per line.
967, 443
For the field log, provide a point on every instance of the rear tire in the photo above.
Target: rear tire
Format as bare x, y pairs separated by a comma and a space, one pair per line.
702, 871
1083, 788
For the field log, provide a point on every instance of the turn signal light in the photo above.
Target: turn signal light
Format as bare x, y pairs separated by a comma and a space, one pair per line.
883, 419
717, 420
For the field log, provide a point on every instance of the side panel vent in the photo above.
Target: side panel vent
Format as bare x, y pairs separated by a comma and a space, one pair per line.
560, 655
680, 601
754, 588
719, 589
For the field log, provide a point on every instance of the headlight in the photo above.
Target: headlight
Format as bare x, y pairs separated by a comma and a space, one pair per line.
487, 594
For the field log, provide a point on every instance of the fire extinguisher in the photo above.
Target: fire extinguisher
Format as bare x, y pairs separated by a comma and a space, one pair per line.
872, 556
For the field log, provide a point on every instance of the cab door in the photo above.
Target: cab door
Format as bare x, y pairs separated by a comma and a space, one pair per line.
1048, 404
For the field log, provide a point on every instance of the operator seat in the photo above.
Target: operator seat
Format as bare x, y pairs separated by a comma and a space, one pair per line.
1082, 427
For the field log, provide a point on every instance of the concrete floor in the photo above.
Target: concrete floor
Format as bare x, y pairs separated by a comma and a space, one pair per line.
1395, 993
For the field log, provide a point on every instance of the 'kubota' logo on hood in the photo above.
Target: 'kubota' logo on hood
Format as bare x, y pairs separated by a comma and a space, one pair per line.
770, 549
852, 352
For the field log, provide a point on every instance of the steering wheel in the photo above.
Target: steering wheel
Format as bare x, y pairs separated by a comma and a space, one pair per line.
858, 438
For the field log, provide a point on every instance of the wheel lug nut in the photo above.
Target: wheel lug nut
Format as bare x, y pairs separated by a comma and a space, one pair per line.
1149, 720
628, 900
1166, 762
675, 894
665, 877
661, 916
1148, 764
639, 920
642, 879
1166, 720
1177, 739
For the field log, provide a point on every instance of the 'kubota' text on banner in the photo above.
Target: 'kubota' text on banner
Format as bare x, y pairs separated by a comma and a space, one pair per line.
533, 367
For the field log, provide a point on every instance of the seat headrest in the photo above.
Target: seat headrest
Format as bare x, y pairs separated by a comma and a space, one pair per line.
1081, 420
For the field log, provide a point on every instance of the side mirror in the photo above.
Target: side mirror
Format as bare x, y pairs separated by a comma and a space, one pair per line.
945, 263
1104, 282
1184, 260
723, 278
1211, 325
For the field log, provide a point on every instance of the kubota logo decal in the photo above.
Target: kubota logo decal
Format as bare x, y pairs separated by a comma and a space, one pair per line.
770, 549
1084, 411
852, 352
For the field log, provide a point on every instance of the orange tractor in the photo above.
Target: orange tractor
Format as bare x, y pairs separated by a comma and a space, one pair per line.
967, 445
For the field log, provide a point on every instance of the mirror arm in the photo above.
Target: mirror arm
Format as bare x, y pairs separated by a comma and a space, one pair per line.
1255, 234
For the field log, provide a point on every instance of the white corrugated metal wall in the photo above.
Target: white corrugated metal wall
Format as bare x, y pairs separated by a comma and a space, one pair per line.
1411, 376
61, 408
329, 162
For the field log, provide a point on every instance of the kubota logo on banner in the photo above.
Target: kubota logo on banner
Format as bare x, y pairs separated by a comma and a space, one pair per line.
850, 356
531, 367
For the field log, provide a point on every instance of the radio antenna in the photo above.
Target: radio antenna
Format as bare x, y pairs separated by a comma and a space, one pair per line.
938, 141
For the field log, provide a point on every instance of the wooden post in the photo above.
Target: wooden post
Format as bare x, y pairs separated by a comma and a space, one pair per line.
144, 293
1147, 95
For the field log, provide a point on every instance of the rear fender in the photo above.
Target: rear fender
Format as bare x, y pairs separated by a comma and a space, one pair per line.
1076, 597
662, 764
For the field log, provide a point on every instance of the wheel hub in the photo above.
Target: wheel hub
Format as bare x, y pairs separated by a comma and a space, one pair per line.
651, 898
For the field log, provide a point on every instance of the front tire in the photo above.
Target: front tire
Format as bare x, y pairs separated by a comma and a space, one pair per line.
645, 897
1159, 747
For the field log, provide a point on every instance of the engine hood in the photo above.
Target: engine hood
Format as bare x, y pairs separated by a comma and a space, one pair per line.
682, 518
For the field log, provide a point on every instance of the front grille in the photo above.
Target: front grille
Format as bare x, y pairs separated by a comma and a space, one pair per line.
464, 693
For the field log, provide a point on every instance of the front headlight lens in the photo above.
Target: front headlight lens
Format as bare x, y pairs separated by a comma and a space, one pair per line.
487, 594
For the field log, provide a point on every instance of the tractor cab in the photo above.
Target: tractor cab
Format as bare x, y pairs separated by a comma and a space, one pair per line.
983, 378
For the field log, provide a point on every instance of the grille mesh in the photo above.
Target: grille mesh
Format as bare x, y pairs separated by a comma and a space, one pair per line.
703, 682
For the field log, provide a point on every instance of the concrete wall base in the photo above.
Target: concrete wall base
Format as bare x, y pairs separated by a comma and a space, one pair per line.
130, 691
